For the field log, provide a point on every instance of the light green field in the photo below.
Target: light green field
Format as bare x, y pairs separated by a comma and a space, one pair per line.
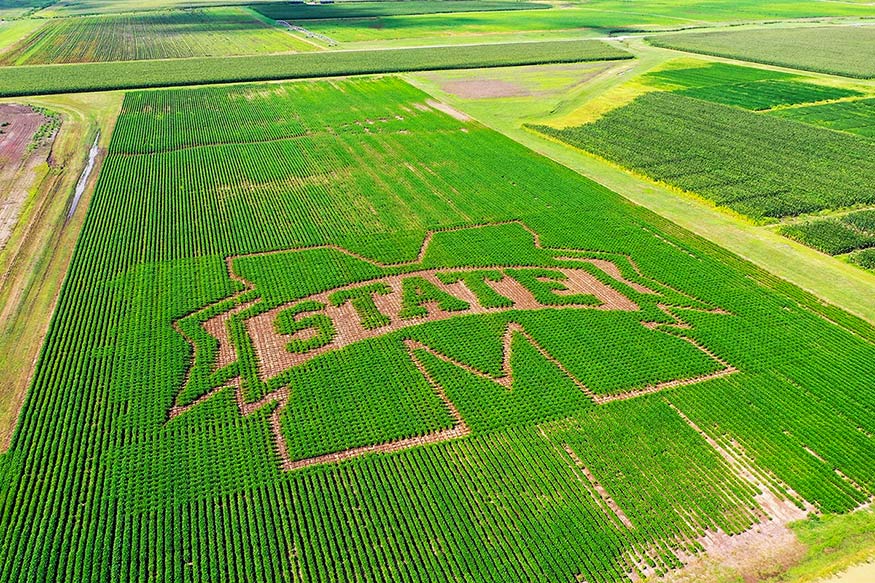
851, 49
605, 16
154, 35
13, 31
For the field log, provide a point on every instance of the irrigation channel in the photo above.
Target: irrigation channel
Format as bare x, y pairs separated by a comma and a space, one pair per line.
83, 178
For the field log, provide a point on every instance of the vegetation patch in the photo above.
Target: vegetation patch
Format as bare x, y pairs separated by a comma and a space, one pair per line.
864, 258
831, 236
294, 12
33, 80
710, 74
856, 117
760, 166
762, 95
836, 236
851, 48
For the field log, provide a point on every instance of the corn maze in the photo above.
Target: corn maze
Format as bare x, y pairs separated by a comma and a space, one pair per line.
327, 332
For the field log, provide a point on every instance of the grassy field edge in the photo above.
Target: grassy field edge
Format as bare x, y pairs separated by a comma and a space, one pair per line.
40, 256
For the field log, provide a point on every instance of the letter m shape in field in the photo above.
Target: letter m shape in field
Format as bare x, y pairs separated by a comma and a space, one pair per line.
485, 328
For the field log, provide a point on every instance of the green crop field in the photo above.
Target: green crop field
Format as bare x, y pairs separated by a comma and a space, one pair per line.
426, 291
865, 258
601, 15
760, 95
295, 12
746, 87
711, 74
851, 49
42, 79
338, 331
856, 117
152, 35
755, 164
836, 236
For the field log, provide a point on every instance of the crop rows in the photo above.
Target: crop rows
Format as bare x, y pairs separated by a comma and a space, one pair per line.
851, 47
836, 236
38, 80
101, 484
760, 166
711, 74
856, 117
865, 258
761, 95
151, 35
295, 12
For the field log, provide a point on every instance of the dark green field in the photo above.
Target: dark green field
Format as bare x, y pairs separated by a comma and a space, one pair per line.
856, 117
455, 427
436, 291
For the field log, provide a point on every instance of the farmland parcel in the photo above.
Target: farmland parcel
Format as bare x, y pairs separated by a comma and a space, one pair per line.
43, 79
839, 50
758, 165
393, 345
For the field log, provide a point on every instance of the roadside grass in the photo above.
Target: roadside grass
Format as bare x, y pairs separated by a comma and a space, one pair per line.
835, 542
35, 260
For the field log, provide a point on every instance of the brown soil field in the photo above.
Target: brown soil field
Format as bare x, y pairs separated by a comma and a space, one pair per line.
485, 89
18, 161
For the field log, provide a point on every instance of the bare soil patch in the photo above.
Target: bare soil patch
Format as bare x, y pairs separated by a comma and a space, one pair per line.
485, 89
449, 110
18, 161
766, 549
270, 346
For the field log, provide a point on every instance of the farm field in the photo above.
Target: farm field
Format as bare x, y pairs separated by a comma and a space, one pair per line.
436, 290
606, 16
689, 10
839, 50
856, 117
153, 35
36, 253
762, 95
731, 156
745, 87
510, 100
371, 319
38, 80
696, 74
852, 233
295, 12
12, 31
